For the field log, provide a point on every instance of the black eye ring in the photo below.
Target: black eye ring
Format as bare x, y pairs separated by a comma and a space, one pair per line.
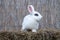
36, 14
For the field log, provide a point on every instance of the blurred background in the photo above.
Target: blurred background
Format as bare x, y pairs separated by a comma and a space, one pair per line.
12, 13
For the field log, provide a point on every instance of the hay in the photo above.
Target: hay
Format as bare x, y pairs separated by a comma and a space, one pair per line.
40, 35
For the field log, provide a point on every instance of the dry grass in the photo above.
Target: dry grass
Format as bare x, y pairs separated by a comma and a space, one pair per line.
46, 34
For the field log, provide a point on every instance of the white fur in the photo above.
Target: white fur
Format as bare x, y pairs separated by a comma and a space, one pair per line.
30, 21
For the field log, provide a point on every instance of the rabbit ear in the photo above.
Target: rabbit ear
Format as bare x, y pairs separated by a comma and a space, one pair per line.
30, 8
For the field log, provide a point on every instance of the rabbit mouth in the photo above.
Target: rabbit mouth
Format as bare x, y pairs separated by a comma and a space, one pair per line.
37, 20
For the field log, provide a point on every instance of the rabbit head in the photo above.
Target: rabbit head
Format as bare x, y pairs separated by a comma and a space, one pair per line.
36, 15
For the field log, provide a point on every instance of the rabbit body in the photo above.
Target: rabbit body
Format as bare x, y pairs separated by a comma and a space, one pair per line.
30, 23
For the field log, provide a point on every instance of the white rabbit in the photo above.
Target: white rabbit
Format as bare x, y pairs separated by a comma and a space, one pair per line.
31, 21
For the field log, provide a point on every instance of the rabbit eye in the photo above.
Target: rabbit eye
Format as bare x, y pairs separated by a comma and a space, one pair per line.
36, 14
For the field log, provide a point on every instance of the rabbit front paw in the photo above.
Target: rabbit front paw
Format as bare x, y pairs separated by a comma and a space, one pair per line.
34, 30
